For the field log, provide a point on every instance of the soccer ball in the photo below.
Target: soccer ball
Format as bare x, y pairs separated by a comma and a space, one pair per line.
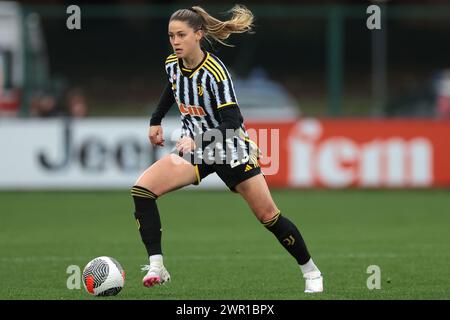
103, 276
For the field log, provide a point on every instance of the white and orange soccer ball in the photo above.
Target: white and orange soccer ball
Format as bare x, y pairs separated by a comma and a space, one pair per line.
103, 276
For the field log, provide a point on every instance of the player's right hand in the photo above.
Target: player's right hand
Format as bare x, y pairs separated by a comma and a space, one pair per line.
155, 134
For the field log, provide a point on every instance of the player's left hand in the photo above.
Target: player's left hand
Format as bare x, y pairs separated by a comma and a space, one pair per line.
185, 145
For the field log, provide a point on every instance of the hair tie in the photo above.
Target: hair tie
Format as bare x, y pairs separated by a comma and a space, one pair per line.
191, 9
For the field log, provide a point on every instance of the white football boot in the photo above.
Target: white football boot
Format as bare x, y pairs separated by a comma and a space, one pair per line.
157, 274
314, 282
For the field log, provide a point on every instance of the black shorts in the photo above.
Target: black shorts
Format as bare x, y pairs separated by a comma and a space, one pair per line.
230, 174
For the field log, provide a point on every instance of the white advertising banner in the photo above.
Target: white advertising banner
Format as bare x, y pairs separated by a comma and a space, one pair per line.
88, 153
108, 153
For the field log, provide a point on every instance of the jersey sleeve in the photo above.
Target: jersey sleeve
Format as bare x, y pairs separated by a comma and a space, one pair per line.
224, 93
222, 84
169, 60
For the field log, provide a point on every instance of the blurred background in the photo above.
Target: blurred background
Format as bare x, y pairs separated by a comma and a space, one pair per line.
307, 60
332, 104
337, 67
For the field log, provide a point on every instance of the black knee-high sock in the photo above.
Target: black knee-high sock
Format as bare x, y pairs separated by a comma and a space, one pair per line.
289, 237
147, 218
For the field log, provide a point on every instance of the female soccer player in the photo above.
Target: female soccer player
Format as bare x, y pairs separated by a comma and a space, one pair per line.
199, 83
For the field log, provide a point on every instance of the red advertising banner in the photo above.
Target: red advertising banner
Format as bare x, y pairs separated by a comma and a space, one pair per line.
340, 153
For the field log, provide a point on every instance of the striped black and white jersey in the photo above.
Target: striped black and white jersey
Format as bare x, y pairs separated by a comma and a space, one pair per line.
199, 93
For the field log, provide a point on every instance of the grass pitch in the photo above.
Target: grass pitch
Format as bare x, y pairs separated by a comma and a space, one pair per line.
215, 249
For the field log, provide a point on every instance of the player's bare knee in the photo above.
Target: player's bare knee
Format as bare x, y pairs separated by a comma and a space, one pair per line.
151, 182
143, 182
267, 213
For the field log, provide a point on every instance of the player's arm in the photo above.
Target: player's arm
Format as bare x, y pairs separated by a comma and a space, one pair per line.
231, 118
227, 106
166, 101
228, 109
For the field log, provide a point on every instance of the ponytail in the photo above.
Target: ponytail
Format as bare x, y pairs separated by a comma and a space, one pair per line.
214, 29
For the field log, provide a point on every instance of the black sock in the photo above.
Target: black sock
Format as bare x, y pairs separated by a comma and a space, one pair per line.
147, 218
289, 237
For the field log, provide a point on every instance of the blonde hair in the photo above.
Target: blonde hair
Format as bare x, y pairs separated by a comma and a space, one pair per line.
214, 29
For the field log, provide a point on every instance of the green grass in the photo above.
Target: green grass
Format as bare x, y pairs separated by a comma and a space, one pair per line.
215, 249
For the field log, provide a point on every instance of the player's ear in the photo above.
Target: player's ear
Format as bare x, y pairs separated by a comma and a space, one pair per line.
199, 34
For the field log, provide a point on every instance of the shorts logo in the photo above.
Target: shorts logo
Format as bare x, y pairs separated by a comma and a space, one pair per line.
248, 167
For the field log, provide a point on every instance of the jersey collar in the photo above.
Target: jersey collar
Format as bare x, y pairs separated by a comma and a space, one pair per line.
190, 72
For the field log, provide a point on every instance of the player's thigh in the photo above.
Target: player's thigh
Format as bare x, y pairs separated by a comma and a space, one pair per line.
168, 173
257, 194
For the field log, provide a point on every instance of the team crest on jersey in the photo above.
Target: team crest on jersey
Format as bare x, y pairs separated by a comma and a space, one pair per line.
200, 90
174, 77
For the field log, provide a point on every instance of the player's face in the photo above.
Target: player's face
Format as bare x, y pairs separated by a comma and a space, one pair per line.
183, 39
